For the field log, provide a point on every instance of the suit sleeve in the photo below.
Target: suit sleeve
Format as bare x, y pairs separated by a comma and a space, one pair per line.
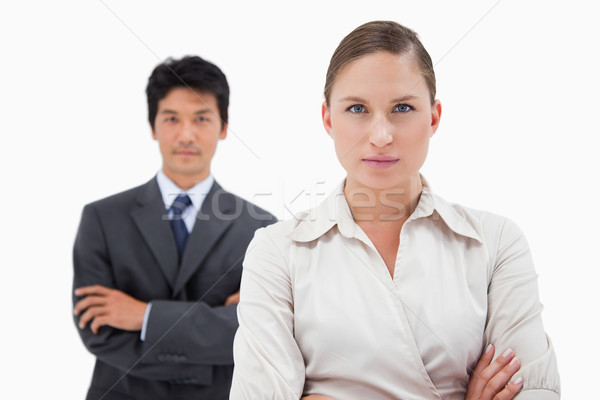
514, 316
194, 332
190, 333
122, 349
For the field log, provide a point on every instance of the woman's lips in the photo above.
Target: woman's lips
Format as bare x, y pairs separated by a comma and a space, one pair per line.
380, 162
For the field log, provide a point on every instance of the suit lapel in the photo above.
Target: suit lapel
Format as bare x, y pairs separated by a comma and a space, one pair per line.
214, 218
155, 229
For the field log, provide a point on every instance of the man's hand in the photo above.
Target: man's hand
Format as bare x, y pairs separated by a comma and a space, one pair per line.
233, 299
490, 381
104, 306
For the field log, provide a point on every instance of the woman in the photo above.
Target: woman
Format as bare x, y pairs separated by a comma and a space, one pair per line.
387, 291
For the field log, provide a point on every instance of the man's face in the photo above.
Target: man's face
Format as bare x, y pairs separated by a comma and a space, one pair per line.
187, 127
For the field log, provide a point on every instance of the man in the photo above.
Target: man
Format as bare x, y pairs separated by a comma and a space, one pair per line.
157, 267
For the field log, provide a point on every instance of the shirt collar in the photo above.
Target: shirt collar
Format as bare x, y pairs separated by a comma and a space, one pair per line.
316, 222
169, 190
334, 210
433, 206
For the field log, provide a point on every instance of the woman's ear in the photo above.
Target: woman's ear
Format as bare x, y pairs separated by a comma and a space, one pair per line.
436, 115
326, 115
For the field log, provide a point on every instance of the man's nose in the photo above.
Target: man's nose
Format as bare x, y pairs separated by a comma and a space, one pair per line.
186, 133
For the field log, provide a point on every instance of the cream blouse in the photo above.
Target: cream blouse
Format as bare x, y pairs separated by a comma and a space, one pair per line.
320, 314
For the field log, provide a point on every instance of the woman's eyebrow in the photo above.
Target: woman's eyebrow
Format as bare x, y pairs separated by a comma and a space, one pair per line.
405, 98
408, 97
354, 98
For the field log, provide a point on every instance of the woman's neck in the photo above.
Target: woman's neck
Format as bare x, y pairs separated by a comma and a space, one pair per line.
391, 205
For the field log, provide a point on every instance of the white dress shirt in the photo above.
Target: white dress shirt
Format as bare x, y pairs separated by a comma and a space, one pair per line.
320, 313
169, 192
197, 193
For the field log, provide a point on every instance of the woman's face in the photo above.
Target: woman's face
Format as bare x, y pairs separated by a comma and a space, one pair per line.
380, 118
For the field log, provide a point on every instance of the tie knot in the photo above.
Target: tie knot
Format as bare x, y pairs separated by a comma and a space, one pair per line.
180, 204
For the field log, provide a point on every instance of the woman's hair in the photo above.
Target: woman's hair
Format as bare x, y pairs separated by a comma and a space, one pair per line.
384, 36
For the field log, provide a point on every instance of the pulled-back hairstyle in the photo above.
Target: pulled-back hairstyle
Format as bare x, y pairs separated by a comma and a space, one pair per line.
384, 36
190, 72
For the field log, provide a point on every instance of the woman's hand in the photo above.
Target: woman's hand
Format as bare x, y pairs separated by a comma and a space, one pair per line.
488, 381
491, 381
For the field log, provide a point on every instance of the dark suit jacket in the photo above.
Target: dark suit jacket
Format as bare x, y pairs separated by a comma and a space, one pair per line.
126, 242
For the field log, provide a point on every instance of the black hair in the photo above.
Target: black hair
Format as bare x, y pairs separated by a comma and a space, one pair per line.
190, 72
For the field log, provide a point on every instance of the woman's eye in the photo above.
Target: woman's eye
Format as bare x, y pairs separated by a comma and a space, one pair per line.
357, 108
402, 108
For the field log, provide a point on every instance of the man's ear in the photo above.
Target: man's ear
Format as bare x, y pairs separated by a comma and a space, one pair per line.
326, 115
153, 132
436, 115
223, 133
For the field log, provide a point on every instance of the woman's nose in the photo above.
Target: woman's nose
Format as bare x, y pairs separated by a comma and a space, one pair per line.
380, 134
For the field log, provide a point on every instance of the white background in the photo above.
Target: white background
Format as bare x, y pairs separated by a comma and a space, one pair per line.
518, 83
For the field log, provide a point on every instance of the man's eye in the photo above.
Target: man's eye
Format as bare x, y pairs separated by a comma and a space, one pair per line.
402, 108
201, 119
357, 108
171, 119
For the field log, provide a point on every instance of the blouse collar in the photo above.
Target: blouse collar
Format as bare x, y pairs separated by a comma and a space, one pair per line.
334, 210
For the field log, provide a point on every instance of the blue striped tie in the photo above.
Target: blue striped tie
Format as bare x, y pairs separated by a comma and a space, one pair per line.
180, 231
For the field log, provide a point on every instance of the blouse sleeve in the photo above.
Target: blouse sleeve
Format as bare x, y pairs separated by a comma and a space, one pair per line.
514, 316
268, 362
